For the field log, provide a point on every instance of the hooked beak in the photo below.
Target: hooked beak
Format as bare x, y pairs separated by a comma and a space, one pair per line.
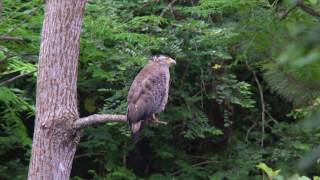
172, 61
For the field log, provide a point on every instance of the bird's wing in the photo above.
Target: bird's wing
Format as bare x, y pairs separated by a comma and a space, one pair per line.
166, 76
138, 105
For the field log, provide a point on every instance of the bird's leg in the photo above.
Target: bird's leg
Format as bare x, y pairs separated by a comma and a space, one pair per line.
154, 119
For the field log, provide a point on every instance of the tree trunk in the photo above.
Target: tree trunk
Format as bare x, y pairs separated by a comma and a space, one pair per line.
55, 139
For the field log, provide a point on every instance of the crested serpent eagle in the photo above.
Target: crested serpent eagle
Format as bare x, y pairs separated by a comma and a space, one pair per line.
148, 93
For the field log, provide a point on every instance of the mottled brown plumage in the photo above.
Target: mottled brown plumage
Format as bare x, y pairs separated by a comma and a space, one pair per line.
148, 93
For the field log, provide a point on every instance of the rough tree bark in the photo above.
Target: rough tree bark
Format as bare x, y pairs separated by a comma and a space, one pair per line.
55, 140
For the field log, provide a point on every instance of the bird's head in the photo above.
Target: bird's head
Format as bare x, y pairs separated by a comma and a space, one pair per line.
162, 59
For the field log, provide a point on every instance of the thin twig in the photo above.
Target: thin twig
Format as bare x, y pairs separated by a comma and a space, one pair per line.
11, 38
249, 130
285, 14
6, 58
32, 12
90, 154
15, 78
272, 118
262, 102
198, 157
203, 163
194, 165
274, 4
169, 6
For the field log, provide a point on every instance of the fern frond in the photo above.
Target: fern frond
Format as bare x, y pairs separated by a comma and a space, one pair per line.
291, 88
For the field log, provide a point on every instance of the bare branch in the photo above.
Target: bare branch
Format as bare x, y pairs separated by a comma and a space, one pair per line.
103, 118
15, 78
99, 118
306, 8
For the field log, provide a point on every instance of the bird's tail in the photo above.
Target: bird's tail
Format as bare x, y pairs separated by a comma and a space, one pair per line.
135, 137
135, 129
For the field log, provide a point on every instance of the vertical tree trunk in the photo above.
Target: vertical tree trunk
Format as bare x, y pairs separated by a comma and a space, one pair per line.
55, 140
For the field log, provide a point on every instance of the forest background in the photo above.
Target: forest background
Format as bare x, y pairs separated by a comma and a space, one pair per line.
244, 98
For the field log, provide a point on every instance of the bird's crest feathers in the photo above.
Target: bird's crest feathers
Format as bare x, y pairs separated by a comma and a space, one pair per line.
162, 58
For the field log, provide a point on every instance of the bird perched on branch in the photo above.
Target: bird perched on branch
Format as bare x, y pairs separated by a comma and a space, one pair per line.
148, 93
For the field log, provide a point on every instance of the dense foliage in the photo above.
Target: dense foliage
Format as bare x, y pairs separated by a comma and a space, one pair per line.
243, 100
